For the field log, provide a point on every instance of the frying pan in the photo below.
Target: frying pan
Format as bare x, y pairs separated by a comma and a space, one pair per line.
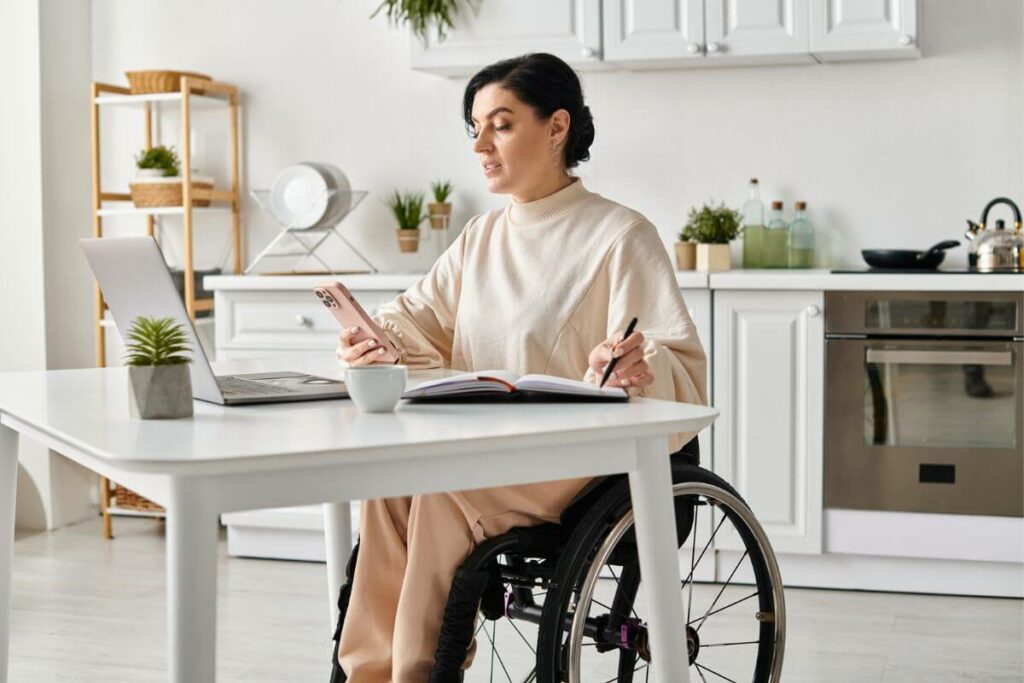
906, 259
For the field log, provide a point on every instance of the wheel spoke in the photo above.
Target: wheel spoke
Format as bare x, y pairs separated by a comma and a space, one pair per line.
642, 666
610, 610
712, 671
706, 546
701, 674
720, 609
516, 629
693, 566
724, 586
620, 586
745, 642
494, 652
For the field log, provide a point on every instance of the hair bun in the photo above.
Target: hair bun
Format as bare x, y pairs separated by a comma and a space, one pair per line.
581, 136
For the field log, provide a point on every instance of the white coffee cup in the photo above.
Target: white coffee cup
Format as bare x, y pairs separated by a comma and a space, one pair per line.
376, 388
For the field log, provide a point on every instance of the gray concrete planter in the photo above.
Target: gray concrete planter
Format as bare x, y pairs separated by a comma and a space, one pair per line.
159, 392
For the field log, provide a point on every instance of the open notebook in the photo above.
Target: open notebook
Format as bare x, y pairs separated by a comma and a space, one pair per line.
501, 384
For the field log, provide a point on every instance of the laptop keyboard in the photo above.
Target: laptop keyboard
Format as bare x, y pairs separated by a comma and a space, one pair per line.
237, 386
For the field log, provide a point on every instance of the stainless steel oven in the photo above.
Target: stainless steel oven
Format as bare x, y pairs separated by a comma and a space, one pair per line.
924, 403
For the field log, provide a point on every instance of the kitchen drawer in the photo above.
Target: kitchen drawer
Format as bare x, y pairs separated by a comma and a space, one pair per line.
282, 320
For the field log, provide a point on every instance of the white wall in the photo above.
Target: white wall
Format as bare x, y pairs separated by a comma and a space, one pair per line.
44, 202
887, 154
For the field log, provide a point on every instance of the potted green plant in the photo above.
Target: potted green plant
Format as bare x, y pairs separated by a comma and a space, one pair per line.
440, 210
407, 208
157, 162
686, 249
159, 385
712, 228
158, 181
420, 14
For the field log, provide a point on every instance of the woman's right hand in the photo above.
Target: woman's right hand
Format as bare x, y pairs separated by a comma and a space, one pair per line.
355, 348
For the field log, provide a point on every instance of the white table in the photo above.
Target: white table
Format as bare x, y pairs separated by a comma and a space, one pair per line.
241, 458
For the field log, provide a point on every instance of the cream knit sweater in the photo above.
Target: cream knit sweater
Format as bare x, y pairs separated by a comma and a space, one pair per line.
535, 287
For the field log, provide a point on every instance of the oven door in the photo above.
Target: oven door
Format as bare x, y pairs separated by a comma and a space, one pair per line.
925, 426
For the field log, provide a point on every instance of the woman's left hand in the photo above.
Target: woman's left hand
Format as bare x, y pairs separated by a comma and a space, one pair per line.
631, 372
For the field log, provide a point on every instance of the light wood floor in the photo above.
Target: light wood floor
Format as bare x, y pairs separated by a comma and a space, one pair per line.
89, 610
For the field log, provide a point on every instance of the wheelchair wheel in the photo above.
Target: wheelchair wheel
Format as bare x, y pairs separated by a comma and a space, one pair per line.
593, 627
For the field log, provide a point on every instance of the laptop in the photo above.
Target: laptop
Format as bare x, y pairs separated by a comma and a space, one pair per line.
135, 280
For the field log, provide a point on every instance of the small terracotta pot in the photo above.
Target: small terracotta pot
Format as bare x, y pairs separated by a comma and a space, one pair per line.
686, 255
439, 214
408, 240
713, 257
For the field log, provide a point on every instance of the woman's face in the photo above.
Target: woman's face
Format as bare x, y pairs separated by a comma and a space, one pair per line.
518, 151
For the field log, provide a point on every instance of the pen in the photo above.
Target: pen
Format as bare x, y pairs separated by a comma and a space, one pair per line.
611, 365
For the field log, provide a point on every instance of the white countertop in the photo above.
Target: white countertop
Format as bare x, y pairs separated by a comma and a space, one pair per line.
730, 279
815, 279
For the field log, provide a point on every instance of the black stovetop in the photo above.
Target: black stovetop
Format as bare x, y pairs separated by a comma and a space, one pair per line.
924, 271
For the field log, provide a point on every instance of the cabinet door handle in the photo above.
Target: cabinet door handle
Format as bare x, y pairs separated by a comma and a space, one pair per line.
813, 311
693, 48
588, 52
303, 321
714, 47
906, 39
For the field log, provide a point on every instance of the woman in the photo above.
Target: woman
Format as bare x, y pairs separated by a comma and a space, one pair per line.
546, 285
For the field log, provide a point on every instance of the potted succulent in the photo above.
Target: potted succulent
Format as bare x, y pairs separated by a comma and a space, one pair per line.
440, 210
158, 182
686, 249
159, 385
712, 228
408, 211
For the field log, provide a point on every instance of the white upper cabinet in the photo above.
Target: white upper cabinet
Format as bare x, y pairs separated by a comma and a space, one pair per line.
861, 29
499, 29
650, 34
771, 31
653, 33
768, 374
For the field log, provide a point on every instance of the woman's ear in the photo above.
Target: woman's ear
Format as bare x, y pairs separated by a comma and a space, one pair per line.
558, 128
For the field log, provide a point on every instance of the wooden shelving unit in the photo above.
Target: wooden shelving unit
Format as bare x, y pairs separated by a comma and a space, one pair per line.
107, 204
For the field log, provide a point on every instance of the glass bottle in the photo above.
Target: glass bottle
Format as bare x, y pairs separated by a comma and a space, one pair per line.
776, 239
753, 228
801, 239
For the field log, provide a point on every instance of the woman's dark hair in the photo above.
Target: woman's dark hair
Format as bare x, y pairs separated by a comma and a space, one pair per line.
547, 84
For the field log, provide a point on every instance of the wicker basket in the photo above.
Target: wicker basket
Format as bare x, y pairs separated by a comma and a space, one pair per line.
129, 500
141, 82
150, 193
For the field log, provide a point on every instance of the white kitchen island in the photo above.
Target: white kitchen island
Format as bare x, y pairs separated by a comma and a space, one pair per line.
278, 316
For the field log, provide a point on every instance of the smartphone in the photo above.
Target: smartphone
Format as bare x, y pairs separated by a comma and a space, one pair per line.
347, 311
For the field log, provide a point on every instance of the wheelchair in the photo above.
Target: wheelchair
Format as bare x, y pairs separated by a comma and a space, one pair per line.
561, 603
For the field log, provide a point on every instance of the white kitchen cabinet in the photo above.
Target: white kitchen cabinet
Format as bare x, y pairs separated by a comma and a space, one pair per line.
255, 323
768, 373
499, 29
287, 323
863, 29
657, 34
654, 33
698, 304
772, 32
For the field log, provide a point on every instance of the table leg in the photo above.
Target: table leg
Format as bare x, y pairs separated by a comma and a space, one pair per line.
650, 486
8, 489
191, 584
338, 537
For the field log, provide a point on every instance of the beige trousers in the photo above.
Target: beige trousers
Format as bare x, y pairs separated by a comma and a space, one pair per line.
409, 550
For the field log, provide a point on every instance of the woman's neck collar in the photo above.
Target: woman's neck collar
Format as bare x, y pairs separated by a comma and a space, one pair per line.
546, 207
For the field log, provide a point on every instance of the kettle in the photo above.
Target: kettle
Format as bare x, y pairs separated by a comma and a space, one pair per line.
998, 248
